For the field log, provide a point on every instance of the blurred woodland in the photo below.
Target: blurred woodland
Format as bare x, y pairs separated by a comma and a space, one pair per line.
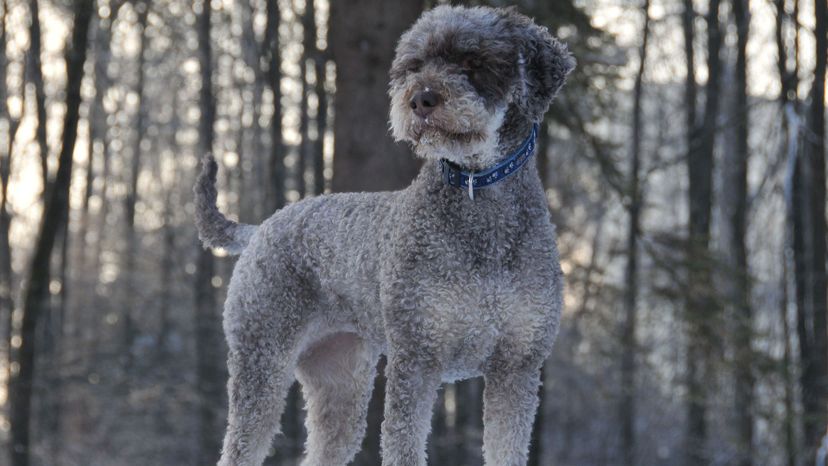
685, 170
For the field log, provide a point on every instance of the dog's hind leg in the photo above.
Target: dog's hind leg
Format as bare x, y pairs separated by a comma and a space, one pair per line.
337, 376
261, 360
510, 400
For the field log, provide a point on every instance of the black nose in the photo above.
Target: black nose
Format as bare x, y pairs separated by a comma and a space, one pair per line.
424, 102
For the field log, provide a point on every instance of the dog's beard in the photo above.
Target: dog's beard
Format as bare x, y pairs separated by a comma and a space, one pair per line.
476, 149
462, 130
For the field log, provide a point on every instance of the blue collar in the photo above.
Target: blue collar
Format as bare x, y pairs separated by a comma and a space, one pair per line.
455, 176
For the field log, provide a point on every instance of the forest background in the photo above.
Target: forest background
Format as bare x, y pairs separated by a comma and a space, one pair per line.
684, 165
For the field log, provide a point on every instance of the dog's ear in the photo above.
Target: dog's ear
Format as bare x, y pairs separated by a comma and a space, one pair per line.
544, 65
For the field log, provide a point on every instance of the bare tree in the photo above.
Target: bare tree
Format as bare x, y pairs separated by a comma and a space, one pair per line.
634, 204
98, 132
35, 72
36, 294
736, 191
787, 94
320, 61
812, 325
308, 51
701, 310
208, 336
6, 272
6, 298
273, 73
695, 411
131, 198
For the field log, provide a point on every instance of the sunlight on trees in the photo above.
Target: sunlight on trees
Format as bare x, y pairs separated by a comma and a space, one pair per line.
120, 347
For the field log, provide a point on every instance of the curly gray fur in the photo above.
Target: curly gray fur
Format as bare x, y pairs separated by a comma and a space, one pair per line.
214, 229
446, 286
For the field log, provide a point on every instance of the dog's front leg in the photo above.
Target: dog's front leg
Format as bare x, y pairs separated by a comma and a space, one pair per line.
510, 401
410, 393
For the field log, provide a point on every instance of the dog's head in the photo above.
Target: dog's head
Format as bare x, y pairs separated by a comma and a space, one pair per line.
460, 74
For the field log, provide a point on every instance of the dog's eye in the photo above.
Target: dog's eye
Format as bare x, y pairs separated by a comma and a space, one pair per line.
413, 67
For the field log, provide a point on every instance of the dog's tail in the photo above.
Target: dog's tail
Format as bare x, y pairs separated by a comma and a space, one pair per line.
214, 229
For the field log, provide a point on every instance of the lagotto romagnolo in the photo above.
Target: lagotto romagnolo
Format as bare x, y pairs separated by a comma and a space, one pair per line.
447, 282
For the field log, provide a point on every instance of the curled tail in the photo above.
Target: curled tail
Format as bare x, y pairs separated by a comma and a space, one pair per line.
214, 229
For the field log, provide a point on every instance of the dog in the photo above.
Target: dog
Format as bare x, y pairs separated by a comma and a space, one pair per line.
456, 276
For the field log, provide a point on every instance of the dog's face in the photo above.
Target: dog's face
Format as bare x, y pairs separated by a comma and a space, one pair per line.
459, 73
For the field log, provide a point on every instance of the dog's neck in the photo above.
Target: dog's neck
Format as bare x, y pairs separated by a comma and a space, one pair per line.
514, 131
473, 181
519, 187
516, 143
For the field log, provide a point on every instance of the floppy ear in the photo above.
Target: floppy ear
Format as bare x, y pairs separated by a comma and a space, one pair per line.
545, 64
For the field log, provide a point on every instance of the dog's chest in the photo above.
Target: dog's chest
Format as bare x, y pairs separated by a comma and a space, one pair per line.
470, 320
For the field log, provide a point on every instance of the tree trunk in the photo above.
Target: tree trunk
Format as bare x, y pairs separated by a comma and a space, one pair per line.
167, 268
6, 272
209, 341
170, 258
273, 58
315, 151
789, 422
701, 313
6, 300
36, 76
36, 295
308, 51
132, 299
438, 451
320, 60
695, 413
536, 445
813, 330
787, 97
736, 190
363, 47
628, 326
251, 153
102, 36
690, 86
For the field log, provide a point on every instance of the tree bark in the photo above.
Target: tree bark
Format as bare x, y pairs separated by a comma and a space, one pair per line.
131, 299
6, 272
536, 444
320, 60
695, 413
98, 133
736, 169
308, 51
36, 295
628, 326
250, 148
438, 451
363, 47
701, 313
813, 329
208, 335
36, 76
787, 96
273, 72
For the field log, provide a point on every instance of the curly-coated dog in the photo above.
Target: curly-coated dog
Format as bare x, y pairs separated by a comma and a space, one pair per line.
449, 281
